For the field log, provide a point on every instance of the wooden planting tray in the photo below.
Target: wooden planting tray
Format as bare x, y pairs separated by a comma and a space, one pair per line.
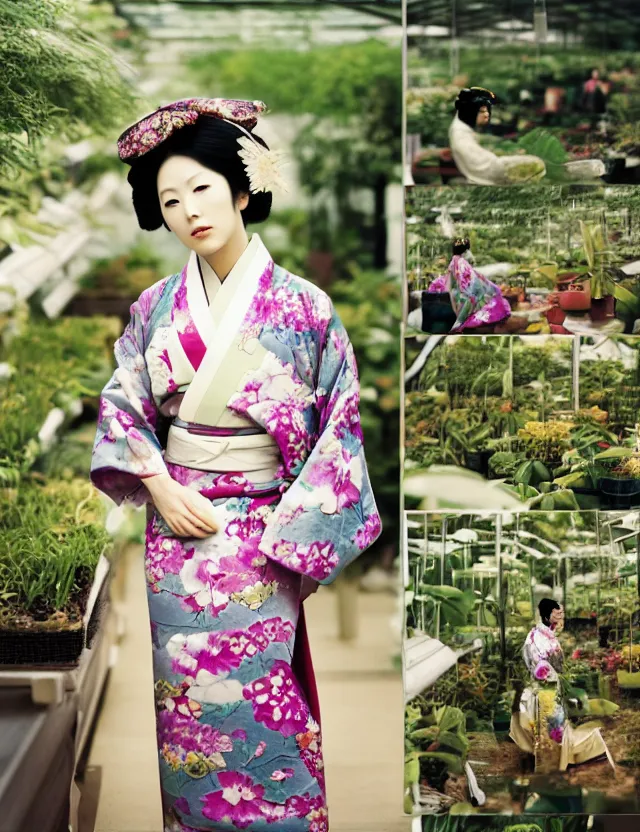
60, 649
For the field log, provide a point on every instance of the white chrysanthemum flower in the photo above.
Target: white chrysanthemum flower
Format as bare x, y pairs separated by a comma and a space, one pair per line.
262, 166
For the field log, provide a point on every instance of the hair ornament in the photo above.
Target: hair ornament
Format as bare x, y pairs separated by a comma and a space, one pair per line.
157, 127
263, 166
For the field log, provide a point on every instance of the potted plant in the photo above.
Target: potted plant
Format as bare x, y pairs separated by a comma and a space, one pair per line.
621, 485
555, 315
53, 573
112, 285
575, 297
438, 316
601, 283
629, 678
546, 441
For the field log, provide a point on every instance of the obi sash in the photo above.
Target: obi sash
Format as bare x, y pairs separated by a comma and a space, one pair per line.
254, 454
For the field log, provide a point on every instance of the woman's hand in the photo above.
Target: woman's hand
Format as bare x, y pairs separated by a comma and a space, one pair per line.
187, 513
307, 587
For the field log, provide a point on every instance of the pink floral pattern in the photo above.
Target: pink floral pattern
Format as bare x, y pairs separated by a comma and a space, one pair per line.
277, 700
241, 801
155, 128
224, 651
164, 556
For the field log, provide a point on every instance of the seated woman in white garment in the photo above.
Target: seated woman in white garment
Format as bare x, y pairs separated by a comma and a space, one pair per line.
540, 725
480, 166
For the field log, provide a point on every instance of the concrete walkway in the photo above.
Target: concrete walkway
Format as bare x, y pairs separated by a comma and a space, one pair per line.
361, 699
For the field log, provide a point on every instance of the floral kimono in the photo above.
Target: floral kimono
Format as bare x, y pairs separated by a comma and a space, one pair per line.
541, 726
475, 299
251, 399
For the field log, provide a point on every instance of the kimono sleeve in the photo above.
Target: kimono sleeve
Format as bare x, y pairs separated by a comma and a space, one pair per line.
479, 164
440, 284
328, 516
126, 449
535, 655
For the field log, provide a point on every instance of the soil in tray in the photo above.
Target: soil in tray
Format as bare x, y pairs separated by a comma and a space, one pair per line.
57, 639
43, 616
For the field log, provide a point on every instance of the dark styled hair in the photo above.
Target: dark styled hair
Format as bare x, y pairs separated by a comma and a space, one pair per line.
210, 141
461, 245
469, 102
546, 607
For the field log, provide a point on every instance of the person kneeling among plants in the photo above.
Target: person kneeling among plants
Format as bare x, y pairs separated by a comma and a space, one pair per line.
540, 725
478, 303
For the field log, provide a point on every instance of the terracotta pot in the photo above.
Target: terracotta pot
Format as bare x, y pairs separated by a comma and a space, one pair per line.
603, 308
556, 316
564, 280
576, 298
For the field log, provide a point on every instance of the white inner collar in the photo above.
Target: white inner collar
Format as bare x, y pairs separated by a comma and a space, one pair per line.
212, 282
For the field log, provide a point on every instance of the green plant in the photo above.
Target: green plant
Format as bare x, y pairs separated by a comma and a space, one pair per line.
352, 140
442, 607
51, 537
58, 80
546, 440
436, 735
53, 363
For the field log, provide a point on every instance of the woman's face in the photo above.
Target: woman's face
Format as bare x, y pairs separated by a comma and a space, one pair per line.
483, 117
197, 205
556, 620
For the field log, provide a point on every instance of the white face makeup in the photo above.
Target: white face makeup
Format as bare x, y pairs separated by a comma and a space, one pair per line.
197, 206
483, 117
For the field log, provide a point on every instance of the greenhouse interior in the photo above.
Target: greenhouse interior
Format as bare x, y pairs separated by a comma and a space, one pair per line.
77, 732
566, 76
473, 584
566, 259
551, 421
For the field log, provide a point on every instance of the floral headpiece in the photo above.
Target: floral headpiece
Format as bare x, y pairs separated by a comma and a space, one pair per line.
261, 164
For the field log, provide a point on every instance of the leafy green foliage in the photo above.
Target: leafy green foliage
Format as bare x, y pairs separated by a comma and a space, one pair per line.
56, 78
60, 82
350, 138
53, 363
51, 538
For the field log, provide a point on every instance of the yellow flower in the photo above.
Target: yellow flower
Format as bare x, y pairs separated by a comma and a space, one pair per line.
255, 596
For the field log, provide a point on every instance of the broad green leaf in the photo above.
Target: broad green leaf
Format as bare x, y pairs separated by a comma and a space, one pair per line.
602, 707
454, 764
